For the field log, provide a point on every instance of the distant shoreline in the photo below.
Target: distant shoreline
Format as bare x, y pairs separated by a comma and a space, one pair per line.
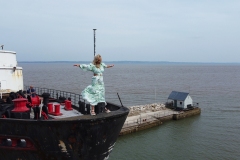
137, 62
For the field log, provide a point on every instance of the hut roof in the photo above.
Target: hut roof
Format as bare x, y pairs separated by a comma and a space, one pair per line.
181, 96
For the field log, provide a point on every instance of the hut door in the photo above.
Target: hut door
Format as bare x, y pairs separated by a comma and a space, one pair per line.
175, 103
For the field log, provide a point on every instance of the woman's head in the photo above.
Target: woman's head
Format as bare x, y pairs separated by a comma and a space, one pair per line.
97, 60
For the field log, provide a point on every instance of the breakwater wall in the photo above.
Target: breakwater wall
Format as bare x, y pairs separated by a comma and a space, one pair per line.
185, 114
147, 116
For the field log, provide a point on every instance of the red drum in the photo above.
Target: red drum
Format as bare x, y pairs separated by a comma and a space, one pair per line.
20, 105
68, 105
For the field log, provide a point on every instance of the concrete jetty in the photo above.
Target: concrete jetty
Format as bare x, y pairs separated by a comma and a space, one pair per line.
146, 116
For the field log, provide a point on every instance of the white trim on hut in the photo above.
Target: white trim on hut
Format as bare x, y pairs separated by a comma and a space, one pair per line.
180, 99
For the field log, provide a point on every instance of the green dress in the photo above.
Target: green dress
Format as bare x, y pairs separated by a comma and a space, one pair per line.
95, 92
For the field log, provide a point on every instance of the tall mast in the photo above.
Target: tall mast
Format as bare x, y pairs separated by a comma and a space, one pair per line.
94, 41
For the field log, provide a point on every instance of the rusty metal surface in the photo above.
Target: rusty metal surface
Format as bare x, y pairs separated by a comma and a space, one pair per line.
84, 137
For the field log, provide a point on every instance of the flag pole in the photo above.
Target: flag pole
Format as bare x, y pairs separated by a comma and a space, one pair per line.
94, 41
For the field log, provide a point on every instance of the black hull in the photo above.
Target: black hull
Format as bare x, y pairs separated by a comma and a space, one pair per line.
84, 137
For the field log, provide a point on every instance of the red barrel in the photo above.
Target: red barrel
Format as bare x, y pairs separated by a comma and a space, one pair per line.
50, 107
20, 105
68, 105
57, 108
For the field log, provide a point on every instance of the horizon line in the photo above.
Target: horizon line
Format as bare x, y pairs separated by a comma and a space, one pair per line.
132, 62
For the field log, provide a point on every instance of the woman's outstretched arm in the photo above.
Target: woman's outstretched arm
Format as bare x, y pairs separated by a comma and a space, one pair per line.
109, 66
85, 67
77, 65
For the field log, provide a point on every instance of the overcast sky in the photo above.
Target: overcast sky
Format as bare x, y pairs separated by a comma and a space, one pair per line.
127, 30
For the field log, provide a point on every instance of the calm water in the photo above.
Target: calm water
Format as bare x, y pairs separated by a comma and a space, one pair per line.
215, 134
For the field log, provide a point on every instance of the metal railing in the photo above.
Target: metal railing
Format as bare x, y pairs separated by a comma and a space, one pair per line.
56, 94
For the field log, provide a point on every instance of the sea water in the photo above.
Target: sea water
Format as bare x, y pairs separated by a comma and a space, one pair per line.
215, 134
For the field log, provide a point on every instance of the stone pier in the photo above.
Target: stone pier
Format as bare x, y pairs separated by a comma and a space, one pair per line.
147, 116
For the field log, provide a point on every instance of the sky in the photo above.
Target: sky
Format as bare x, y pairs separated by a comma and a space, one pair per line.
127, 30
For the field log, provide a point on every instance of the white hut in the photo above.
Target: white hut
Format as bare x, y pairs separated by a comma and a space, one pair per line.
11, 77
180, 99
